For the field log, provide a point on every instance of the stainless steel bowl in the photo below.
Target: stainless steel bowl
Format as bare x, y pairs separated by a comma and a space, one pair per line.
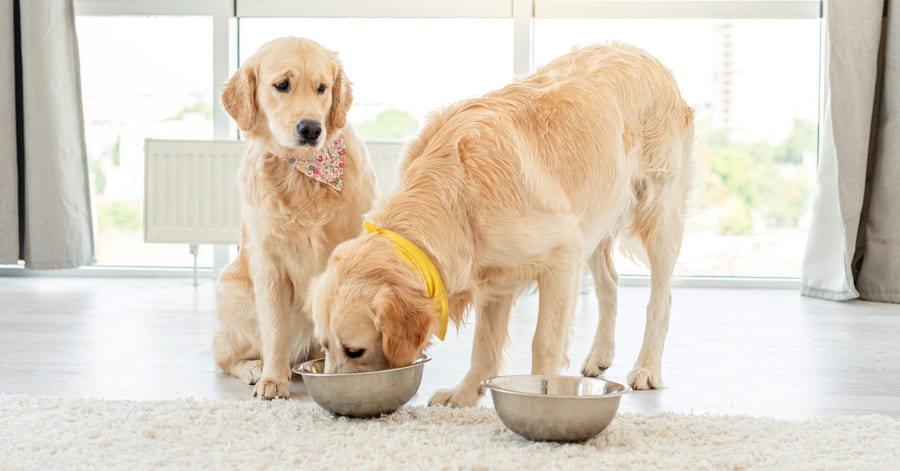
555, 408
367, 394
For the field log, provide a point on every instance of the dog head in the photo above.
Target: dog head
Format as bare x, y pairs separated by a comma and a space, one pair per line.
370, 308
291, 94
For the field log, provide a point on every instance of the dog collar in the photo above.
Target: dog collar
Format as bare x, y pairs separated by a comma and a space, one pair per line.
327, 167
433, 284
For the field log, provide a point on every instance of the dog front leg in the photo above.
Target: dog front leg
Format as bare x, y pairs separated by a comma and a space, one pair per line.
605, 282
557, 294
491, 332
273, 296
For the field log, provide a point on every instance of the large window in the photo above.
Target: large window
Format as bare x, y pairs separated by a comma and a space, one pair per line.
754, 86
142, 77
749, 68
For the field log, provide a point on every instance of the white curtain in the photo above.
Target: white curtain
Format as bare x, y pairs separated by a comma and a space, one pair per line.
45, 212
854, 241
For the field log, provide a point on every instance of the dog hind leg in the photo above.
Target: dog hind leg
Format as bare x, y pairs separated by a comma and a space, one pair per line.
237, 357
660, 223
234, 349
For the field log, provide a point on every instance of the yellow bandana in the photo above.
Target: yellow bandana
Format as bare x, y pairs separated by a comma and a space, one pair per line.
433, 284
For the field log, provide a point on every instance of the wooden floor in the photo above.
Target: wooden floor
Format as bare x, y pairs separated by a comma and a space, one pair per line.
757, 352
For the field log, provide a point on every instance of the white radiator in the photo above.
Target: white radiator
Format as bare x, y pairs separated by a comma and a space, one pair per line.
190, 188
190, 191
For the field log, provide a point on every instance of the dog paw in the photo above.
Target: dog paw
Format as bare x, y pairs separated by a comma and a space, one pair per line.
596, 363
456, 397
644, 378
269, 388
252, 373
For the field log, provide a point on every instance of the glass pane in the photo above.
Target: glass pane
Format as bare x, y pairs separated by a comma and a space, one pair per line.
401, 69
754, 86
141, 77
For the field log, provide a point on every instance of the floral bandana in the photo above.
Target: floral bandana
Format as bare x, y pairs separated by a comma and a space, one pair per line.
327, 167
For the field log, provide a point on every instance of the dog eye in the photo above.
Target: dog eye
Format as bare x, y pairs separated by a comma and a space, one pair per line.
282, 86
322, 88
354, 352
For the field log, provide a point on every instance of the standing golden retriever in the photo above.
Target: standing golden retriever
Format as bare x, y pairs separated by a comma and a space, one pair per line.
306, 181
522, 185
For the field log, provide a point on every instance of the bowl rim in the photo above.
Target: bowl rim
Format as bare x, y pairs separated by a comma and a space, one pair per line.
423, 358
486, 383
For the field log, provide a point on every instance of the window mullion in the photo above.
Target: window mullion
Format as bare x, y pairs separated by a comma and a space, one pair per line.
523, 37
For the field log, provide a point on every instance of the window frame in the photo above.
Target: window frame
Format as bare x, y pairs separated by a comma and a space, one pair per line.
226, 13
685, 9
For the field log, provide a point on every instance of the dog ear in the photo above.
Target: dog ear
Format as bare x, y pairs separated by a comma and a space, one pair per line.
405, 318
239, 97
341, 98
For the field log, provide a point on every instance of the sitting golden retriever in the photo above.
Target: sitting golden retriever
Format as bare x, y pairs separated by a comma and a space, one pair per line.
306, 181
520, 186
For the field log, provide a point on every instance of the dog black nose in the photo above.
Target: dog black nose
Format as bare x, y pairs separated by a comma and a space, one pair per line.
309, 130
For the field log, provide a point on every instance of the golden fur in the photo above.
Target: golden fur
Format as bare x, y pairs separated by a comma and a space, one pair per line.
291, 223
522, 186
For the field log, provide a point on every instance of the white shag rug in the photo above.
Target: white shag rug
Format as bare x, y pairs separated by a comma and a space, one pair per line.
50, 433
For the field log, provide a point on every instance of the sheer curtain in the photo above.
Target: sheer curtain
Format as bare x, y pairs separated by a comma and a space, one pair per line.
854, 240
45, 212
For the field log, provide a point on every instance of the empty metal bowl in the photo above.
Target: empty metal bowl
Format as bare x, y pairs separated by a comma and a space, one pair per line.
367, 394
555, 408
